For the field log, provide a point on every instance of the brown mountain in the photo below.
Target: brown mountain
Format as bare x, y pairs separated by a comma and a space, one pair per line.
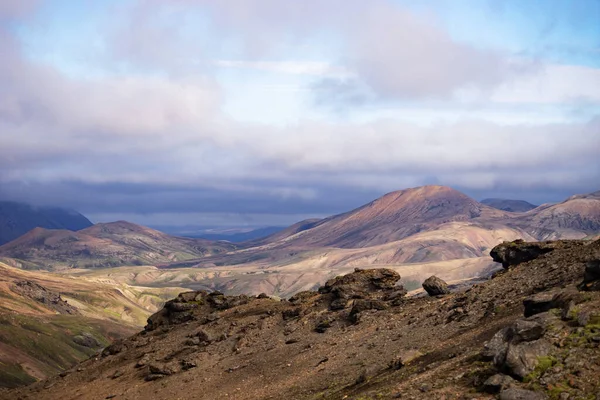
418, 232
106, 245
404, 213
531, 332
392, 217
573, 218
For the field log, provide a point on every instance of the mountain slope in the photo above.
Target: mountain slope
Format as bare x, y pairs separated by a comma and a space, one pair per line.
16, 219
106, 245
49, 322
393, 217
359, 338
509, 205
574, 218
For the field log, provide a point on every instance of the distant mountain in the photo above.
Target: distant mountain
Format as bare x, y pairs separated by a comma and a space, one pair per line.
16, 219
392, 217
575, 217
238, 237
509, 205
106, 245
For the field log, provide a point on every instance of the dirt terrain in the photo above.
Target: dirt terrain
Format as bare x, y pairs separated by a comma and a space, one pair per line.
531, 332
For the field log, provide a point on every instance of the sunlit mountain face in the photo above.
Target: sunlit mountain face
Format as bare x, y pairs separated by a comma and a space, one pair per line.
241, 115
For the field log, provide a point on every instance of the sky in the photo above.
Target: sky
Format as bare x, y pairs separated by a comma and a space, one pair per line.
266, 112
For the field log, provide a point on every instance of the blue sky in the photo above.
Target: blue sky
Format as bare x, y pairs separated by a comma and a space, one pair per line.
264, 112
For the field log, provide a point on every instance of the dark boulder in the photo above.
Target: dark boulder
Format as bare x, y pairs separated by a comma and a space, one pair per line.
518, 251
545, 301
498, 382
435, 286
362, 281
591, 278
539, 303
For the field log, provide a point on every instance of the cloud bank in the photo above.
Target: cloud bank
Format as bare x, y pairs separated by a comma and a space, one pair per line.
394, 100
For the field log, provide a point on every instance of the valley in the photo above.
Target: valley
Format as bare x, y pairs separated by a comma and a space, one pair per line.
113, 276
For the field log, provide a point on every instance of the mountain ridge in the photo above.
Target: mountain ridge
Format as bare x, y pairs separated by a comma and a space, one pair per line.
106, 244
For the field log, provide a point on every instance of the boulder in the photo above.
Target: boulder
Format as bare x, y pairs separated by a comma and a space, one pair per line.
496, 347
361, 305
521, 359
518, 251
115, 348
545, 301
435, 286
526, 331
516, 349
338, 304
362, 281
538, 303
591, 278
498, 382
514, 393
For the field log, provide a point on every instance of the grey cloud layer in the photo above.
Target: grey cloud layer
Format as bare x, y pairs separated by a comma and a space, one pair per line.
138, 143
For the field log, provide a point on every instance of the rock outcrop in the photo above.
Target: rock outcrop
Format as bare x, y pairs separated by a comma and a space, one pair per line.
42, 295
364, 289
518, 251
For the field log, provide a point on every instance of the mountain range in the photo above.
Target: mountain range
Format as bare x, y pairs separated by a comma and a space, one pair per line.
104, 280
420, 231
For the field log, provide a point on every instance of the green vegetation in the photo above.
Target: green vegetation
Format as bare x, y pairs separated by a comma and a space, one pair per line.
544, 364
13, 375
49, 341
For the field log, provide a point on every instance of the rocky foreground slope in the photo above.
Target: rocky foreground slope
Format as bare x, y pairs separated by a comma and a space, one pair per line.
531, 332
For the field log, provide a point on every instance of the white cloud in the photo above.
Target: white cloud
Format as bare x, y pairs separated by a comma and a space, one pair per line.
557, 84
311, 68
